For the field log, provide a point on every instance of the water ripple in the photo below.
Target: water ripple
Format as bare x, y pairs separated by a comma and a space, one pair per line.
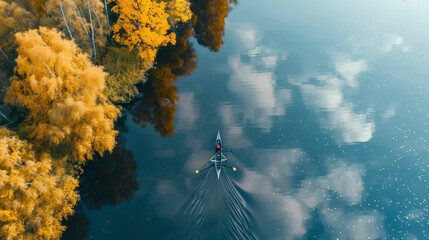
217, 210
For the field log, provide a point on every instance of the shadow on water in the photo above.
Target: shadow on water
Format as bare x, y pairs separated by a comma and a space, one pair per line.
209, 21
217, 210
157, 106
107, 180
77, 224
111, 179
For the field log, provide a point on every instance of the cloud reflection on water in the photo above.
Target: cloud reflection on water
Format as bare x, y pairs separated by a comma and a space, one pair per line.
285, 196
253, 80
331, 194
187, 114
349, 70
396, 41
324, 93
288, 207
233, 129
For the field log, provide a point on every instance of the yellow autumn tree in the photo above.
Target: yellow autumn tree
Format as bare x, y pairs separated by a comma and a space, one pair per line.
142, 24
13, 18
178, 11
35, 192
126, 69
67, 112
82, 21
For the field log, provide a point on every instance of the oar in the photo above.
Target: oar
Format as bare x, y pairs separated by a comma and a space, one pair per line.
203, 167
233, 168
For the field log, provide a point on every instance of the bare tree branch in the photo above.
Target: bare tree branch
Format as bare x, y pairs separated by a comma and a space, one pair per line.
4, 116
92, 29
81, 17
107, 15
65, 20
5, 56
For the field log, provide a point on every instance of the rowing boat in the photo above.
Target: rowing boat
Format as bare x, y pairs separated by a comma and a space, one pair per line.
218, 160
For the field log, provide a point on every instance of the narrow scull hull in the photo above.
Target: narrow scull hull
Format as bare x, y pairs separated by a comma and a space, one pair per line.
218, 158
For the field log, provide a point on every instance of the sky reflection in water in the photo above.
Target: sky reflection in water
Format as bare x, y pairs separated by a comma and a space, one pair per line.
324, 108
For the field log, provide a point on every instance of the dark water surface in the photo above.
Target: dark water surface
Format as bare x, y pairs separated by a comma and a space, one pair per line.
325, 108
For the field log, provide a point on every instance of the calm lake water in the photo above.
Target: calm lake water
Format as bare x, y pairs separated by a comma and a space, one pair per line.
324, 106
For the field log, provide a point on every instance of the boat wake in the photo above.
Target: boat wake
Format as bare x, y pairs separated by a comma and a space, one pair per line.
217, 210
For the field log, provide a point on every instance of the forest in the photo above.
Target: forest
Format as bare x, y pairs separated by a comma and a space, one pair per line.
68, 71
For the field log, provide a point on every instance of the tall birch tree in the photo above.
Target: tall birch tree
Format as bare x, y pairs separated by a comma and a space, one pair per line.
83, 21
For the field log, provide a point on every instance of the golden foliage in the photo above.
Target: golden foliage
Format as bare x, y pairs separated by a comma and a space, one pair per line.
125, 69
178, 11
35, 192
39, 7
142, 24
76, 19
56, 82
13, 18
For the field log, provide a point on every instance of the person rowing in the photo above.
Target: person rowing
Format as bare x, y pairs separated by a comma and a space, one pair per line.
218, 160
218, 149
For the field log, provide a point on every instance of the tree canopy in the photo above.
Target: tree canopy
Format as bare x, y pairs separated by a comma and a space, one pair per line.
178, 11
62, 90
126, 69
35, 191
142, 24
80, 20
145, 24
13, 18
61, 105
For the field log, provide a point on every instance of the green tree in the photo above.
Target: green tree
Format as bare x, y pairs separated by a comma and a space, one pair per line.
67, 112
